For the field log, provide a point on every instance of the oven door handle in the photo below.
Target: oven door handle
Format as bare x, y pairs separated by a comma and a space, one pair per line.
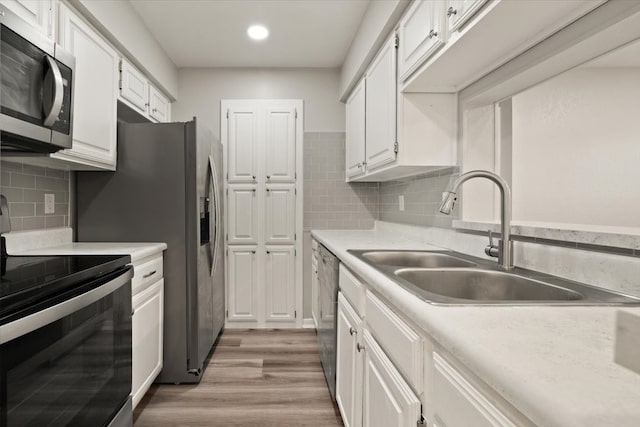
41, 318
57, 91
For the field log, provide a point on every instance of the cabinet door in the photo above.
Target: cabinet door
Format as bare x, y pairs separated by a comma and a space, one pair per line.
242, 144
387, 399
96, 92
280, 218
381, 100
421, 33
349, 365
242, 283
146, 338
458, 403
355, 127
159, 105
460, 11
280, 144
280, 287
242, 219
38, 13
134, 87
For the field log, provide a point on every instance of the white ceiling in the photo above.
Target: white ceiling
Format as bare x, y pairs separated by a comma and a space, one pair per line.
213, 33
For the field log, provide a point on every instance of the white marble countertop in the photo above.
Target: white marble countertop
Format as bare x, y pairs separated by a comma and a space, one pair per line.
58, 241
553, 364
137, 251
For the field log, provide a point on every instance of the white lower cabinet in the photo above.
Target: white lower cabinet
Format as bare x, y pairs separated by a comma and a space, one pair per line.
280, 284
242, 283
387, 398
349, 364
146, 335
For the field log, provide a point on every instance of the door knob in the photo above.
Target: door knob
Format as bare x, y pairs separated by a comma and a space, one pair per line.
352, 331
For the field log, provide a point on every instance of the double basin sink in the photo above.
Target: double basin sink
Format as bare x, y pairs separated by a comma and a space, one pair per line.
450, 278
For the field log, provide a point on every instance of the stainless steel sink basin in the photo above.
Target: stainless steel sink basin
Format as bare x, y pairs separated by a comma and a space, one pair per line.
485, 285
416, 259
443, 277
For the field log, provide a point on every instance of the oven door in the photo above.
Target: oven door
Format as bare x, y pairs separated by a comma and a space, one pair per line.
36, 88
69, 363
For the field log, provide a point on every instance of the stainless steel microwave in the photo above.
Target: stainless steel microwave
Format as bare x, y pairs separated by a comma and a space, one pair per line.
36, 93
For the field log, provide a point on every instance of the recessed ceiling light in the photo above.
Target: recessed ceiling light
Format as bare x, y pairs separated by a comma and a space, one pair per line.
258, 32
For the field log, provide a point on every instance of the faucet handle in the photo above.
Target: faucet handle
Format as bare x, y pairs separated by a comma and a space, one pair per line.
492, 250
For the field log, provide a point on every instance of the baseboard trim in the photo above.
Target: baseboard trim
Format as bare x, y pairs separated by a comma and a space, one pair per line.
308, 323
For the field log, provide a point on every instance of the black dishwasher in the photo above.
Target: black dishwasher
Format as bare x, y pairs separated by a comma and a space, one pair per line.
328, 267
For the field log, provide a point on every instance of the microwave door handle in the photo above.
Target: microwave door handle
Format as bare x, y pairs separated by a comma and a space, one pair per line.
58, 89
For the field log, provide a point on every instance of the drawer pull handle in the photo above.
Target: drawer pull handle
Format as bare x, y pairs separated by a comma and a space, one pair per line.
359, 347
451, 11
149, 274
352, 331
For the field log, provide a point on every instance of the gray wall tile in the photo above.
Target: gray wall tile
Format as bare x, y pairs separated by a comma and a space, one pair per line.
25, 186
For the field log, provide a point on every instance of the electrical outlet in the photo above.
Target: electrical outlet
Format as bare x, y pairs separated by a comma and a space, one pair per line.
401, 202
49, 203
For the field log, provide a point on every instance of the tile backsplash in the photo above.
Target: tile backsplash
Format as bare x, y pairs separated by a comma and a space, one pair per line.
24, 186
422, 198
330, 202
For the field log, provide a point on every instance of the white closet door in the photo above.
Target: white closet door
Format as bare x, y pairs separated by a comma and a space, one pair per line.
242, 276
381, 98
280, 144
243, 133
280, 287
280, 207
243, 218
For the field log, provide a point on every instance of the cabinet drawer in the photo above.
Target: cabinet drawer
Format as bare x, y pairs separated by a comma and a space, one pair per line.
146, 274
401, 343
352, 289
458, 403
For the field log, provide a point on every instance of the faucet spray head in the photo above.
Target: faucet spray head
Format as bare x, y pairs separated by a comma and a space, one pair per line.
448, 200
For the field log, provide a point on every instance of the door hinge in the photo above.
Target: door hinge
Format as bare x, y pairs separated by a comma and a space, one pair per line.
227, 114
226, 236
395, 147
295, 314
295, 236
295, 175
296, 112
295, 252
396, 43
227, 314
295, 191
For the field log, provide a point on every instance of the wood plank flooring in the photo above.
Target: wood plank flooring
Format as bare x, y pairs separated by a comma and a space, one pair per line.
254, 378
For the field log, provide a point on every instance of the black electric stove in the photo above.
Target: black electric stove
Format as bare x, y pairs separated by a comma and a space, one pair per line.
28, 280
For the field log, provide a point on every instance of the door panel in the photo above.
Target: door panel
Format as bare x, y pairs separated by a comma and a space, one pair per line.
349, 365
280, 206
159, 106
243, 214
355, 126
242, 145
135, 87
280, 134
242, 283
280, 284
381, 99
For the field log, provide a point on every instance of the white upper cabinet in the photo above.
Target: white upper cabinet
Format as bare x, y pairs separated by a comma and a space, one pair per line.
134, 87
460, 11
380, 110
280, 140
242, 135
280, 221
355, 135
422, 31
39, 13
159, 105
280, 284
95, 92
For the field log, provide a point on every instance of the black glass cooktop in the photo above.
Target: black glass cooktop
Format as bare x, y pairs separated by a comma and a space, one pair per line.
29, 279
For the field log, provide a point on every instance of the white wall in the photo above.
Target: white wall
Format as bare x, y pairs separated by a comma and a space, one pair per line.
576, 149
120, 23
202, 89
378, 21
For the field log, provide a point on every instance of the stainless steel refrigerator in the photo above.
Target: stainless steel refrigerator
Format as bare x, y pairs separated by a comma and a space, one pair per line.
167, 188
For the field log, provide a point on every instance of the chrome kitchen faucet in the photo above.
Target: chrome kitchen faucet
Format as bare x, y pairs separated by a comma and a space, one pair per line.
504, 250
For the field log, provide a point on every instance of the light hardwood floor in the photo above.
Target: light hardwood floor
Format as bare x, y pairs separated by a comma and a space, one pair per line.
254, 378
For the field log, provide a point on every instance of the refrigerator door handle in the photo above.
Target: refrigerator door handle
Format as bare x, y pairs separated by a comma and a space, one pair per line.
213, 244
